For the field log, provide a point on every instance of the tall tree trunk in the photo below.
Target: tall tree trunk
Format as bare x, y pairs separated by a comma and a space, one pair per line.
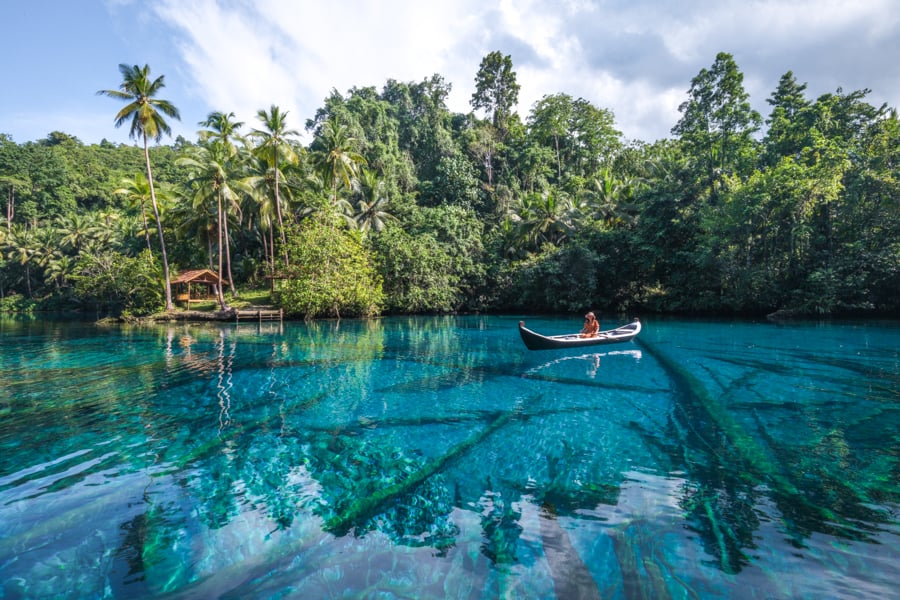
558, 159
159, 229
219, 295
10, 207
146, 229
265, 240
272, 250
278, 211
228, 255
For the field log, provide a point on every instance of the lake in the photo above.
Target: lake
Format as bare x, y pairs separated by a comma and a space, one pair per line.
438, 458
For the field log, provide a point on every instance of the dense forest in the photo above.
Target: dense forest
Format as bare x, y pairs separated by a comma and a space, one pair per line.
399, 205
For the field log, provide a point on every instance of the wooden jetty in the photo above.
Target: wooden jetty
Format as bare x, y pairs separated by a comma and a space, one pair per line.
259, 314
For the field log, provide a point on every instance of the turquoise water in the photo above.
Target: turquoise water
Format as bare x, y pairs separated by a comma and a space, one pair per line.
437, 458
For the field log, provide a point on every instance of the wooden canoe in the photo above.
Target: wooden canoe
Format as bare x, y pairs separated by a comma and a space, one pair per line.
536, 341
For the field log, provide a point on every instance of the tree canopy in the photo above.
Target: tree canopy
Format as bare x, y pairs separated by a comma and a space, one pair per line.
399, 205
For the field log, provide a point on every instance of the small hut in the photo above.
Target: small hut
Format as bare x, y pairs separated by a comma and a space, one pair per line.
196, 286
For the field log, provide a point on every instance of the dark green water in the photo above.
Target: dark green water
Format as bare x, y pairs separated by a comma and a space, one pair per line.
437, 458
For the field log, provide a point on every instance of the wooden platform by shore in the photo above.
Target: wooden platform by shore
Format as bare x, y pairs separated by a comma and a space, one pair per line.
249, 313
258, 314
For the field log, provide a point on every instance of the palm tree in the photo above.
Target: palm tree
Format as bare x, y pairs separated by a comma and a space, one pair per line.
76, 230
275, 147
222, 131
104, 221
146, 114
20, 247
209, 180
259, 185
137, 192
544, 218
338, 162
222, 128
198, 225
59, 269
607, 198
47, 243
371, 207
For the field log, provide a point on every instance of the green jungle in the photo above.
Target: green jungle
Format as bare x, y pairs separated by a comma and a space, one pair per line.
397, 205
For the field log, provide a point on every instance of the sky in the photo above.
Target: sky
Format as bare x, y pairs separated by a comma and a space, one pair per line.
633, 57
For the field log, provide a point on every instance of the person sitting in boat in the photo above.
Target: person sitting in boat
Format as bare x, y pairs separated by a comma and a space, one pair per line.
591, 326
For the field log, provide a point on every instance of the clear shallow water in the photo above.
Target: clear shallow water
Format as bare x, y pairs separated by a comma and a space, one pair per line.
437, 458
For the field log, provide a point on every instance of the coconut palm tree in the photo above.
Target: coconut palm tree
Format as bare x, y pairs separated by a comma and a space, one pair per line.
338, 163
47, 244
105, 219
608, 198
76, 230
59, 269
258, 184
146, 114
371, 208
137, 193
222, 128
274, 145
544, 218
210, 183
21, 247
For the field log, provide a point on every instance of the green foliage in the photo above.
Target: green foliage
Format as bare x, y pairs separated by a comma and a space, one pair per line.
717, 123
414, 269
454, 182
112, 282
330, 274
496, 89
424, 128
581, 136
371, 122
557, 280
787, 123
49, 185
435, 265
459, 232
455, 213
338, 162
16, 303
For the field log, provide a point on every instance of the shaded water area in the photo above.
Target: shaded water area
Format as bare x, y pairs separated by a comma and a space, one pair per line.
437, 458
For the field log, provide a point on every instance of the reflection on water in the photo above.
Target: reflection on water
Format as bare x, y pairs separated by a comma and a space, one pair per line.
435, 457
590, 361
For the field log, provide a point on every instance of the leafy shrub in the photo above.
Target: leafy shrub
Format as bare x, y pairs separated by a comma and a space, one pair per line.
330, 273
115, 283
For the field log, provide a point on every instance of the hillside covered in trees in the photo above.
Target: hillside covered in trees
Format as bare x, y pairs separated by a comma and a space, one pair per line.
398, 205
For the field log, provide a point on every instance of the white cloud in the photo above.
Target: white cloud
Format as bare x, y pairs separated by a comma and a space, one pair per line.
245, 57
232, 57
636, 58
